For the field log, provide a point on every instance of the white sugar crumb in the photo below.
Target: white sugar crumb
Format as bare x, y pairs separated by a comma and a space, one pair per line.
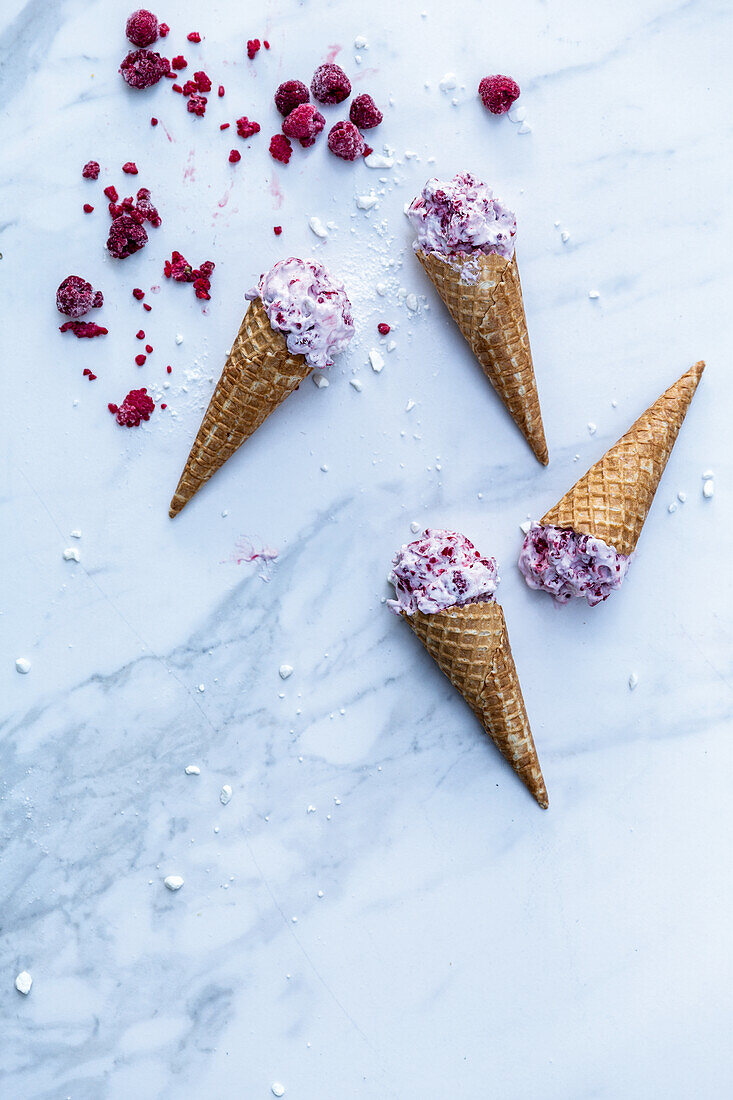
285, 671
564, 236
173, 882
633, 681
179, 338
672, 507
377, 160
71, 554
593, 294
24, 982
317, 227
525, 128
411, 302
518, 114
707, 474
22, 665
381, 289
357, 385
592, 428
392, 344
448, 82
525, 527
360, 42
414, 527
193, 769
278, 1089
681, 497
409, 406
76, 534
321, 381
376, 360
324, 468
225, 795
366, 202
708, 488
311, 810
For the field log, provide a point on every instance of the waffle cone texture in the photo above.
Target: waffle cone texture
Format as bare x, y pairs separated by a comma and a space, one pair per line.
258, 375
612, 500
471, 646
490, 314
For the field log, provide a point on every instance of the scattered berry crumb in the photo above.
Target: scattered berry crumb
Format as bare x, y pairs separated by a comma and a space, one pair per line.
345, 141
88, 374
234, 156
126, 236
138, 294
83, 329
221, 91
330, 84
142, 69
179, 269
202, 81
88, 208
146, 307
304, 124
164, 30
197, 105
247, 129
266, 44
290, 95
149, 348
498, 93
364, 112
169, 370
130, 168
253, 47
177, 88
90, 171
179, 62
280, 148
225, 126
136, 407
140, 335
153, 121
383, 328
194, 36
111, 193
142, 28
277, 230
140, 359
163, 405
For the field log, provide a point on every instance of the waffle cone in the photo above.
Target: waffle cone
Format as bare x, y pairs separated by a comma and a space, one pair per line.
471, 646
257, 377
490, 314
612, 500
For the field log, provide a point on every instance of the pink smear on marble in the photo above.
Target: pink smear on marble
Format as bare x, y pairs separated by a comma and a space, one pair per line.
276, 191
363, 73
333, 52
246, 553
189, 172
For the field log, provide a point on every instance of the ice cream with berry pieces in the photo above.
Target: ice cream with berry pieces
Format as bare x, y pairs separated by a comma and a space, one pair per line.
441, 569
311, 309
461, 216
569, 564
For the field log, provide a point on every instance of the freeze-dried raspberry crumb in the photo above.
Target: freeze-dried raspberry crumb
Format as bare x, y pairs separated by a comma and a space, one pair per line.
83, 329
364, 112
280, 148
136, 407
383, 328
221, 91
140, 359
138, 294
194, 36
330, 84
234, 156
169, 370
163, 405
179, 269
179, 62
345, 141
253, 47
277, 230
98, 300
130, 168
498, 93
176, 88
266, 44
305, 124
197, 105
146, 307
290, 95
203, 81
88, 374
140, 335
88, 208
190, 87
247, 129
224, 126
145, 208
111, 193
367, 150
75, 297
149, 348
143, 69
164, 30
142, 28
153, 121
90, 171
126, 236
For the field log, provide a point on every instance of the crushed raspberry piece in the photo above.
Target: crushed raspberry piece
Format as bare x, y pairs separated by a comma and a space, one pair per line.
383, 328
277, 230
130, 168
364, 112
83, 329
194, 36
190, 87
146, 307
234, 156
225, 126
153, 121
202, 80
164, 30
163, 405
140, 359
180, 270
138, 294
345, 141
148, 348
142, 28
266, 44
304, 124
90, 171
169, 370
140, 335
143, 69
111, 193
88, 208
197, 105
247, 129
145, 209
253, 47
280, 148
367, 150
176, 88
88, 374
498, 93
136, 407
75, 297
126, 236
221, 91
179, 62
290, 95
330, 84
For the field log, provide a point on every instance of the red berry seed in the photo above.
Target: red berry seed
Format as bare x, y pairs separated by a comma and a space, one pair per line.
143, 69
142, 28
140, 359
194, 36
364, 112
330, 84
280, 148
90, 171
290, 95
234, 156
304, 124
130, 168
247, 129
498, 93
88, 208
277, 230
383, 328
345, 141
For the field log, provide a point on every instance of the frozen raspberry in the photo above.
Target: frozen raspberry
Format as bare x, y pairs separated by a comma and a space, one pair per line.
83, 329
138, 294
305, 124
143, 69
136, 407
277, 230
194, 36
88, 208
383, 328
364, 112
247, 129
179, 62
221, 91
234, 156
280, 148
130, 168
90, 171
290, 95
197, 105
75, 297
164, 30
498, 93
145, 208
253, 47
330, 84
142, 28
345, 141
202, 81
126, 236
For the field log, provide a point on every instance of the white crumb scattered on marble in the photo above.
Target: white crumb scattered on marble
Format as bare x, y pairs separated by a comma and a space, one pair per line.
448, 82
324, 468
22, 665
564, 236
277, 1089
411, 302
320, 380
681, 497
707, 474
173, 882
225, 795
285, 671
179, 338
225, 513
672, 507
24, 982
311, 810
409, 406
360, 42
376, 360
392, 344
294, 920
614, 403
317, 227
193, 769
202, 688
524, 527
320, 893
367, 202
414, 527
592, 427
518, 114
377, 160
357, 384
381, 289
76, 534
410, 154
633, 681
708, 488
593, 294
71, 554
525, 128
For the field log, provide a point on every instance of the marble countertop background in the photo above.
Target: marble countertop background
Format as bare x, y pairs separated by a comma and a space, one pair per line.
380, 910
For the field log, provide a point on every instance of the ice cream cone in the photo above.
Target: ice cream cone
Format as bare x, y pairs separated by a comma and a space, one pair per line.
490, 313
471, 646
259, 374
612, 500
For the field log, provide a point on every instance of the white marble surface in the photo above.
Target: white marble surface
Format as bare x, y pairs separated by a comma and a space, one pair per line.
465, 942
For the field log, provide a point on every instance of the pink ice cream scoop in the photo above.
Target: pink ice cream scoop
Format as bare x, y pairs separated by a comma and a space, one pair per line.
567, 564
461, 215
440, 569
309, 307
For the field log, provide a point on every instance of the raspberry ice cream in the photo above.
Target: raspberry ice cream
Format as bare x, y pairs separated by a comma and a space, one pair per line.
566, 563
440, 569
312, 311
461, 215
